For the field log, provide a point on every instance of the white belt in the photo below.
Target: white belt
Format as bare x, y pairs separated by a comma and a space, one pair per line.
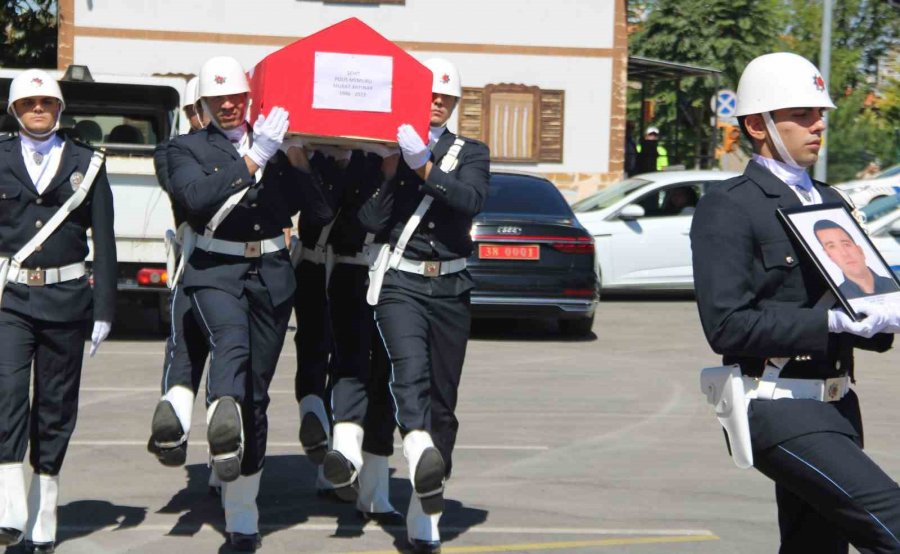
824, 390
431, 269
49, 276
253, 249
313, 255
360, 258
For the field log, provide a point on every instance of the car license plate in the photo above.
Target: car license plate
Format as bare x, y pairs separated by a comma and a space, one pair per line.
509, 252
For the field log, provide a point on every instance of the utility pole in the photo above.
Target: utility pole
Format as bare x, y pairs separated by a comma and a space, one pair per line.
821, 170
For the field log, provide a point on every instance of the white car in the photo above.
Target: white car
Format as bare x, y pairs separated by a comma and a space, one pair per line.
641, 228
863, 191
883, 225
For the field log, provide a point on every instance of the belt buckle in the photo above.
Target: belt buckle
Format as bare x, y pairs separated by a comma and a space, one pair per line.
35, 277
832, 390
432, 269
253, 249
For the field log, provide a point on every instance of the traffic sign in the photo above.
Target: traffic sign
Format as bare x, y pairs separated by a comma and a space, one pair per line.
724, 103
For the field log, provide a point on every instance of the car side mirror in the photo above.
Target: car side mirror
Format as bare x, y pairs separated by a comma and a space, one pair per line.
632, 211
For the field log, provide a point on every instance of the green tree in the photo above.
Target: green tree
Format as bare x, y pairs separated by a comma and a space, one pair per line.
723, 34
726, 34
29, 33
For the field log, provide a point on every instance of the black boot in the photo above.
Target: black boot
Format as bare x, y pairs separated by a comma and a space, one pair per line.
313, 438
341, 473
225, 443
167, 439
245, 543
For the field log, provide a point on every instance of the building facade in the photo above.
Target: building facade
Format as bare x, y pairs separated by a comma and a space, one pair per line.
544, 80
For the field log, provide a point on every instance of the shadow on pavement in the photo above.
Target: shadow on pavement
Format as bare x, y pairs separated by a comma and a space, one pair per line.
83, 517
287, 497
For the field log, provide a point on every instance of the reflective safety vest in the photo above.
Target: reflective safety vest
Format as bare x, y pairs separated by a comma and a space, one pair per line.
662, 156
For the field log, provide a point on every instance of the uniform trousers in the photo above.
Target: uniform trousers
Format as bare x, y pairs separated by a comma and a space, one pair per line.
56, 349
425, 337
186, 346
313, 336
830, 492
360, 394
245, 337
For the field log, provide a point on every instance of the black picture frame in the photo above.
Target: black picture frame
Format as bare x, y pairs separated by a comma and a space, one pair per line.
800, 222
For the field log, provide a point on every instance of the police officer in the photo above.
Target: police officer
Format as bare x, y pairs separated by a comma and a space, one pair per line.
761, 305
313, 337
186, 346
360, 400
240, 193
422, 312
47, 299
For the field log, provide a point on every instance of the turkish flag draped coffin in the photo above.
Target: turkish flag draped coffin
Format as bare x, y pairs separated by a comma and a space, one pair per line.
344, 83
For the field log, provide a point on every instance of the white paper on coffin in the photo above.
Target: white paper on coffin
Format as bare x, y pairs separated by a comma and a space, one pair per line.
353, 82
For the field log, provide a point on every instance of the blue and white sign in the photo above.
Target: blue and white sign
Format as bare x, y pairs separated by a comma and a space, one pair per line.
724, 103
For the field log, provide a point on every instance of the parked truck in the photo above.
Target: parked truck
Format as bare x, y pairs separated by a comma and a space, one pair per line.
128, 116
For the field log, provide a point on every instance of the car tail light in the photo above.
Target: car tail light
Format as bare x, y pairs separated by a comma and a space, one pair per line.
152, 277
573, 247
578, 292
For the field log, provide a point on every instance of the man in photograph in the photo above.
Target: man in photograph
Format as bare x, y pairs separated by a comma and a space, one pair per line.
859, 279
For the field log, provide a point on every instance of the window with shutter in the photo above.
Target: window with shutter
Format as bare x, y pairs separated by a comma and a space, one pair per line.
518, 122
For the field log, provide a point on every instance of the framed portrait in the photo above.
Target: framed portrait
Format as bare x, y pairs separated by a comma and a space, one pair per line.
845, 256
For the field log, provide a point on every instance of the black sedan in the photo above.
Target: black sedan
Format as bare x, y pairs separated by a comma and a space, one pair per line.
531, 257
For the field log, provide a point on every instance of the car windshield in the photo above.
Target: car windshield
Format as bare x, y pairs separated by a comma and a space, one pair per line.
889, 172
881, 207
523, 194
609, 196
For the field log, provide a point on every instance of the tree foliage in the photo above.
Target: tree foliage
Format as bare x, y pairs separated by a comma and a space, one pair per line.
726, 34
29, 33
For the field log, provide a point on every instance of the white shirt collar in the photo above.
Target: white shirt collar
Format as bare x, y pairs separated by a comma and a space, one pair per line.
795, 177
41, 146
434, 133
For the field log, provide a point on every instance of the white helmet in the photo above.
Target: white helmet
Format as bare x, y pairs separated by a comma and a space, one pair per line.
446, 77
221, 76
190, 93
780, 80
652, 131
34, 82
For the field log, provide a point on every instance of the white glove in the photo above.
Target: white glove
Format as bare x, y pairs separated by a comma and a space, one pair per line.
889, 313
268, 134
339, 153
292, 142
101, 331
415, 152
382, 150
840, 322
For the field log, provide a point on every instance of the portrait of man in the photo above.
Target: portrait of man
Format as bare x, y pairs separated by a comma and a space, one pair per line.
859, 279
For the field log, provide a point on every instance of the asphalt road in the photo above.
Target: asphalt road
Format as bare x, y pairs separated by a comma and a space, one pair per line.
598, 445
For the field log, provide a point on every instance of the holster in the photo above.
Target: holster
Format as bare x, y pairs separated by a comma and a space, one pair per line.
379, 260
188, 242
171, 243
724, 389
4, 273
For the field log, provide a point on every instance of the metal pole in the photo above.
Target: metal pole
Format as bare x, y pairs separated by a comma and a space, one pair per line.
821, 170
714, 120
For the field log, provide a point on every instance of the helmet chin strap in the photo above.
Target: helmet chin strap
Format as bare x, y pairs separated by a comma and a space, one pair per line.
39, 136
777, 142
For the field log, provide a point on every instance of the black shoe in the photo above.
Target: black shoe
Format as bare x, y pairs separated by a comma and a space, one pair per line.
425, 547
224, 436
429, 481
313, 438
10, 536
40, 547
167, 439
245, 543
341, 473
385, 519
